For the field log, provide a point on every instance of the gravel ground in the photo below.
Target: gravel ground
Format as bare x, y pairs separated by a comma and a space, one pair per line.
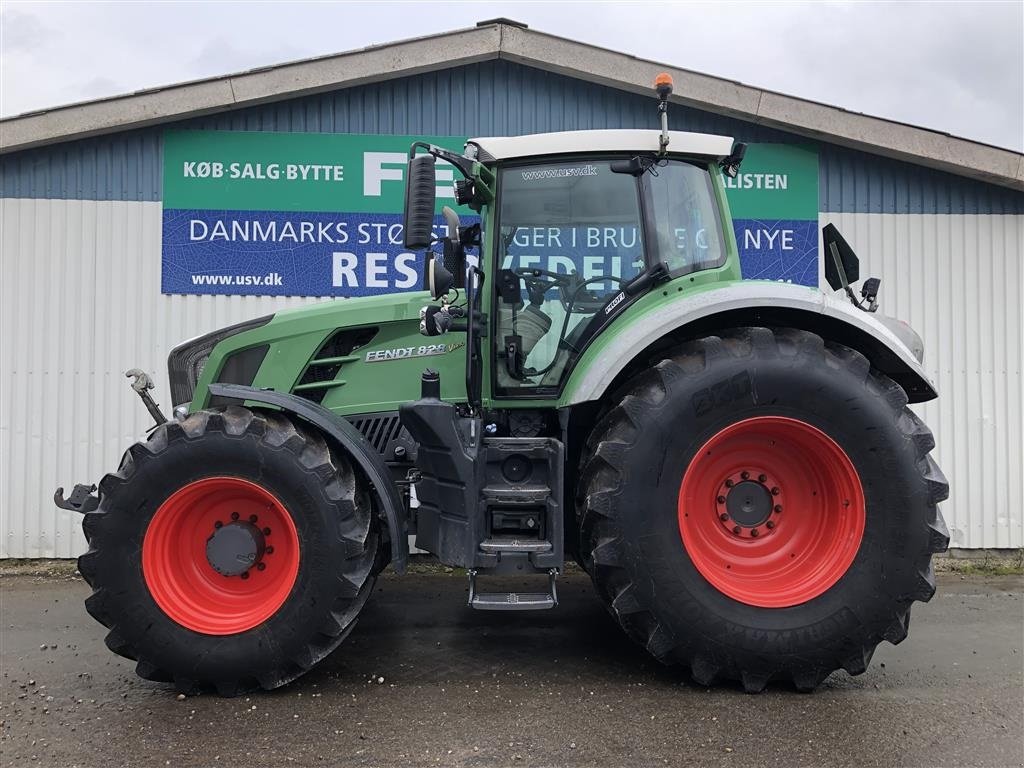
425, 681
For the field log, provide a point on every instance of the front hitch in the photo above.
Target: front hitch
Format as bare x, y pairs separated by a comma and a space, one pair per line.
80, 500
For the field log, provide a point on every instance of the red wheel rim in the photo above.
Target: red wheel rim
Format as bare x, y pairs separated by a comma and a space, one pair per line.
813, 526
180, 576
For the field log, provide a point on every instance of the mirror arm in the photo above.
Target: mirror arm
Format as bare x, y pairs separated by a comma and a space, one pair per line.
841, 270
482, 177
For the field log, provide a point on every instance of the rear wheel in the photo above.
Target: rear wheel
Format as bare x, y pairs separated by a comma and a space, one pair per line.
762, 506
232, 550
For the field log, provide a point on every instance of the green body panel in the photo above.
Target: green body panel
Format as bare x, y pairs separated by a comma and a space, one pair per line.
294, 337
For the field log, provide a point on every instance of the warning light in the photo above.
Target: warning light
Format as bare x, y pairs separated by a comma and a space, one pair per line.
663, 85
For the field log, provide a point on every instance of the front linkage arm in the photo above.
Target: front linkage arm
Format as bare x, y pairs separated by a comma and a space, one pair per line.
81, 498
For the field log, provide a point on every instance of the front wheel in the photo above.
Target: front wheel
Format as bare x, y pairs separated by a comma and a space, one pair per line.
232, 550
761, 506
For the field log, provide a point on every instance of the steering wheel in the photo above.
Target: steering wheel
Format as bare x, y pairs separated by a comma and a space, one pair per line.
571, 288
539, 281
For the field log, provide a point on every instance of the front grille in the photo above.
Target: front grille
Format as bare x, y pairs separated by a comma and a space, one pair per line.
239, 368
321, 372
186, 362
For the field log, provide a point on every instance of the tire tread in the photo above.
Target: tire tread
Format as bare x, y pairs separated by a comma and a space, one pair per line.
603, 471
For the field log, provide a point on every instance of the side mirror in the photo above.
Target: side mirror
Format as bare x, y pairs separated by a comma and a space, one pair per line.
842, 267
420, 193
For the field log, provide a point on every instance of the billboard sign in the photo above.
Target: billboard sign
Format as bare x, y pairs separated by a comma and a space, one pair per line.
774, 205
289, 214
293, 214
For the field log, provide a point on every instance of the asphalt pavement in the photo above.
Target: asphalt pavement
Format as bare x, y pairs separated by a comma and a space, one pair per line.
423, 680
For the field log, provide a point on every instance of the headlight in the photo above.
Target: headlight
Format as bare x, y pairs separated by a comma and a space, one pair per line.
186, 362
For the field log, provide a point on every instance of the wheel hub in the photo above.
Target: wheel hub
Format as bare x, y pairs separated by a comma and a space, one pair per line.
235, 548
748, 502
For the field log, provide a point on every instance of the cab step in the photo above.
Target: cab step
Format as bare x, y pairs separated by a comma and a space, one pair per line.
514, 544
513, 601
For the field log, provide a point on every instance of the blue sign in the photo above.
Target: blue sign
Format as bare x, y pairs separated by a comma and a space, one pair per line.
287, 254
784, 250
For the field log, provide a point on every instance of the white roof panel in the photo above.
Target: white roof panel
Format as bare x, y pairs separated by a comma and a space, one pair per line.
566, 142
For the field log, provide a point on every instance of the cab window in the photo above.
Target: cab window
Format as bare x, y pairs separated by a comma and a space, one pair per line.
569, 233
684, 210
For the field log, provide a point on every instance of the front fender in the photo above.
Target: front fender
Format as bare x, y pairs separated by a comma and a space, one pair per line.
350, 440
751, 302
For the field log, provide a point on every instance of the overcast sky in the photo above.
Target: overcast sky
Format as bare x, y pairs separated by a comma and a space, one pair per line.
955, 66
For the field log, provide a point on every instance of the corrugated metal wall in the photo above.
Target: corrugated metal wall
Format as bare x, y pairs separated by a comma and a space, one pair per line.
958, 280
80, 303
80, 277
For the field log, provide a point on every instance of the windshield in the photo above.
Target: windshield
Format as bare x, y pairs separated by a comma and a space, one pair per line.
569, 233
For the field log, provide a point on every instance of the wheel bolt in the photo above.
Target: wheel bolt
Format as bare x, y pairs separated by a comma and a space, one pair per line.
770, 524
723, 517
762, 478
266, 531
729, 483
721, 499
736, 529
234, 515
754, 532
253, 518
218, 524
245, 575
261, 566
269, 550
775, 491
745, 475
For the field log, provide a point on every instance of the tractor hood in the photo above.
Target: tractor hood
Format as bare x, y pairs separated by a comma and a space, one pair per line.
350, 355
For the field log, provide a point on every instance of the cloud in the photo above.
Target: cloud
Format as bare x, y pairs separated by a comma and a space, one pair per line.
21, 31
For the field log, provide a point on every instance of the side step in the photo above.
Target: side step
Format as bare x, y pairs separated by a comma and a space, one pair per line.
513, 544
513, 601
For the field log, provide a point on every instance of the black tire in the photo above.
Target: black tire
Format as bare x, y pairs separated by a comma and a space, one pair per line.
630, 484
338, 538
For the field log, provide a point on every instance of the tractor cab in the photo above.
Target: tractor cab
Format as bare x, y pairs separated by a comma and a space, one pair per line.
574, 228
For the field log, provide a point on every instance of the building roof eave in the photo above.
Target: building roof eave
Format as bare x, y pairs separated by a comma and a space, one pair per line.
516, 43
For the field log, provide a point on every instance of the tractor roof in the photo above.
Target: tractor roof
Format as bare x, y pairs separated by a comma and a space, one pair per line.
566, 142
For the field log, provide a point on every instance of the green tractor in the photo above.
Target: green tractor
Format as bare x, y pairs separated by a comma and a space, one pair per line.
733, 462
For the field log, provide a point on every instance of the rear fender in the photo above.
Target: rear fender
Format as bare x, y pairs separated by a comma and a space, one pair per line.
892, 347
350, 440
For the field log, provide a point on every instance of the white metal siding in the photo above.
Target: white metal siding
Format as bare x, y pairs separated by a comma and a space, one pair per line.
80, 303
958, 280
